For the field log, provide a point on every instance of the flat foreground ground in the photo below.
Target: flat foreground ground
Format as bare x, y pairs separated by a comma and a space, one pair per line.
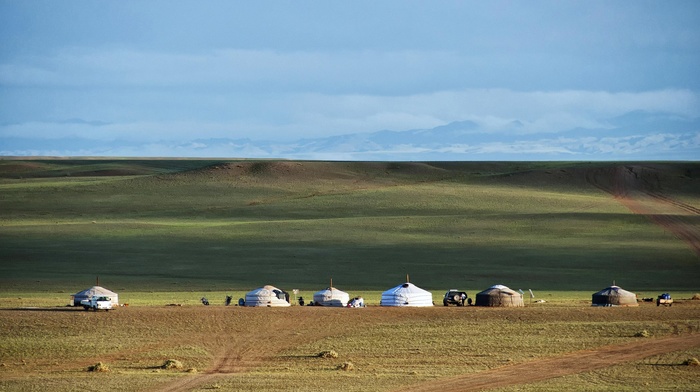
427, 349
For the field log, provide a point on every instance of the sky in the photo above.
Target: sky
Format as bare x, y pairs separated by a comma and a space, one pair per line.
165, 73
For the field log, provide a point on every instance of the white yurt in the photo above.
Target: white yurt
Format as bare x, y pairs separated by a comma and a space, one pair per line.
407, 294
92, 291
267, 296
330, 296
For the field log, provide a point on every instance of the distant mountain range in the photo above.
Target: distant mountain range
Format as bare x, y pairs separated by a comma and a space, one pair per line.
633, 136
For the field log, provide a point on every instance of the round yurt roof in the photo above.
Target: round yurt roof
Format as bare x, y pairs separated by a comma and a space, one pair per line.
330, 296
614, 296
407, 294
266, 288
499, 295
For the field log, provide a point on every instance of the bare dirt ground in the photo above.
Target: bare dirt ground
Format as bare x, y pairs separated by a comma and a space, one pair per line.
241, 352
640, 189
558, 366
55, 346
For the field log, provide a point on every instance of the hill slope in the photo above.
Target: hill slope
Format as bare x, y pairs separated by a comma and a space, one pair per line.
219, 224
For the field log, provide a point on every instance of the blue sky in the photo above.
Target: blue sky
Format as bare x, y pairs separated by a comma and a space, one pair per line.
158, 74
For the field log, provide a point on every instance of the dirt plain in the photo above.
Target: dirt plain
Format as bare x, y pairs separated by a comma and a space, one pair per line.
392, 349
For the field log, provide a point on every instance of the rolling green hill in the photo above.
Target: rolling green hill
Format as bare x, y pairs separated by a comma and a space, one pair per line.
169, 225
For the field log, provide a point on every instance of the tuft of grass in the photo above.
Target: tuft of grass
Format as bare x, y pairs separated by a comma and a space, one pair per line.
172, 364
328, 354
642, 334
98, 367
691, 362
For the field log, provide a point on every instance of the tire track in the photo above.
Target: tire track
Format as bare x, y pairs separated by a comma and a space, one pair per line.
243, 352
628, 185
559, 366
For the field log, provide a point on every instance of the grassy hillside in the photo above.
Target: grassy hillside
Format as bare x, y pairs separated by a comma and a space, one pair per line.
179, 225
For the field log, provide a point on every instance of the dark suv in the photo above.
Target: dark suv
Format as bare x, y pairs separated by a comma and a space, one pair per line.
456, 297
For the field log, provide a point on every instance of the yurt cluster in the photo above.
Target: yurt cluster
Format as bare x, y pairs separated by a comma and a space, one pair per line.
405, 294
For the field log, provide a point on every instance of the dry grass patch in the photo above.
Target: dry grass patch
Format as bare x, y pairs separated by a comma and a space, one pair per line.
691, 362
98, 367
328, 354
172, 364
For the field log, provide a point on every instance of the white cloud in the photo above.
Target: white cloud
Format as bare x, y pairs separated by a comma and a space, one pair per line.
293, 116
494, 110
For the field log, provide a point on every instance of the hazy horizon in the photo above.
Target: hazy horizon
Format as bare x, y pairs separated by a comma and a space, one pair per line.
538, 80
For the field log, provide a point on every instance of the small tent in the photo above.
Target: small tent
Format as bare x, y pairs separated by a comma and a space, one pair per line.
92, 291
331, 296
267, 296
614, 296
499, 295
406, 294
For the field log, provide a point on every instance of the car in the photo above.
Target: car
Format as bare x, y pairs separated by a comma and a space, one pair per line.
97, 303
456, 297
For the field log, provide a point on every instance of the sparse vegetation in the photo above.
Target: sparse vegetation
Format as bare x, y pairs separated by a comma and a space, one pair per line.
98, 367
172, 364
691, 362
328, 354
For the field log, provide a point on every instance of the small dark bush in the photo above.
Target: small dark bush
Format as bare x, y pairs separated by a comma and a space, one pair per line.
172, 364
691, 362
98, 367
328, 354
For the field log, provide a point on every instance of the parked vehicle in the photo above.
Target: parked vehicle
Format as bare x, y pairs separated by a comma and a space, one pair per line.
97, 303
664, 299
357, 302
456, 297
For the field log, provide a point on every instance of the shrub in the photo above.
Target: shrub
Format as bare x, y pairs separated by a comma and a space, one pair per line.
642, 334
328, 354
98, 367
171, 364
691, 362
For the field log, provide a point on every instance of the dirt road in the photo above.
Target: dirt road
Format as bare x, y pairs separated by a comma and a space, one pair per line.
640, 189
246, 350
558, 366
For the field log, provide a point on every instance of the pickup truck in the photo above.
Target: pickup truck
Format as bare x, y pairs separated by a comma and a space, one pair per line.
664, 299
97, 303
